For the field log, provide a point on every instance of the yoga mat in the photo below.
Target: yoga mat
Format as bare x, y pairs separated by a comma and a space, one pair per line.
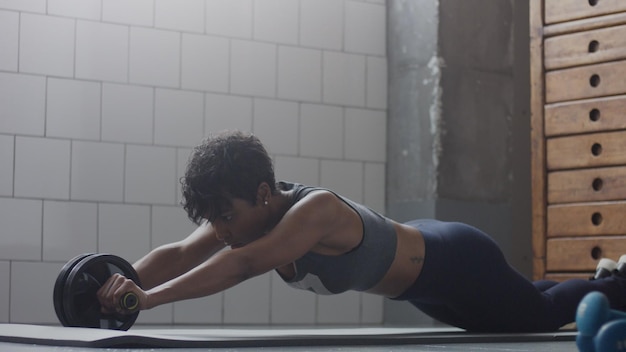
263, 337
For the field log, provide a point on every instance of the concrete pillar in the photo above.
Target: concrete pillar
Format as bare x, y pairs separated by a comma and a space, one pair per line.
458, 121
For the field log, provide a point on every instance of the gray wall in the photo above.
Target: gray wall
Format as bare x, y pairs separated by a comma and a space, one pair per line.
458, 124
101, 103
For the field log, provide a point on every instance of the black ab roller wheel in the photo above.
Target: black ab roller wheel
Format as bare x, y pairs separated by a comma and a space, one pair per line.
59, 284
75, 300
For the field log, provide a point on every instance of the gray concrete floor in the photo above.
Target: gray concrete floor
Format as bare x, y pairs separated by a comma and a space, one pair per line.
568, 346
444, 346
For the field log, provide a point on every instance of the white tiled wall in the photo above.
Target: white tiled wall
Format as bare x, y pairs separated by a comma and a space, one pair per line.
5, 276
101, 102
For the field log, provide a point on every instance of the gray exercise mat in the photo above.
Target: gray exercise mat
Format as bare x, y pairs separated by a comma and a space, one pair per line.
264, 337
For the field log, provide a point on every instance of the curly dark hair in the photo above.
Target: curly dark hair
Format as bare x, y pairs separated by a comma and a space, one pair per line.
227, 165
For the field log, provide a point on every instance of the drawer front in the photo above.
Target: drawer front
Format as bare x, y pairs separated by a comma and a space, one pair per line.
586, 82
586, 219
600, 45
560, 277
596, 149
585, 116
589, 185
582, 254
565, 10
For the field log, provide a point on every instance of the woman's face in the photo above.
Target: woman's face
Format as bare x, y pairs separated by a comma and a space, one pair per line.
241, 223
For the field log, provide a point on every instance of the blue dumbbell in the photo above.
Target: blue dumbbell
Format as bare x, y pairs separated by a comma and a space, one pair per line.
611, 337
593, 312
585, 343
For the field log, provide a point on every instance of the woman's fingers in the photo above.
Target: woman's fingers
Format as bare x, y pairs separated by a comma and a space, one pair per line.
125, 287
112, 291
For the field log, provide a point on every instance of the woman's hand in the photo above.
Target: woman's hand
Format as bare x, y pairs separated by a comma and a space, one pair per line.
114, 289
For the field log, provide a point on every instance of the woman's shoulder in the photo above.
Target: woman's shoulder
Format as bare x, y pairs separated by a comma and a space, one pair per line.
301, 191
319, 209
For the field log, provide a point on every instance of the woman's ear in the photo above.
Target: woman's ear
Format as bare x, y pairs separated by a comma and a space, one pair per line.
263, 194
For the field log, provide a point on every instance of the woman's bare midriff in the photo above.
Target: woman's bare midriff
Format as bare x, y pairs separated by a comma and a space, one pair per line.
407, 265
404, 270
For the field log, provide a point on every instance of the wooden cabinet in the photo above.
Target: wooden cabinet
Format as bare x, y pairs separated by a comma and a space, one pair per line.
578, 124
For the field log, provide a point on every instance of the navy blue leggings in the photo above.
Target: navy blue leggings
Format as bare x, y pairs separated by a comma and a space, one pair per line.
466, 282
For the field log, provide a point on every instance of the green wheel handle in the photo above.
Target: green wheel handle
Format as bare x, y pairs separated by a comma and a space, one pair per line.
129, 301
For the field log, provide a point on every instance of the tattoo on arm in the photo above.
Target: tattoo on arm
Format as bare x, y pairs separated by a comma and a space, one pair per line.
417, 260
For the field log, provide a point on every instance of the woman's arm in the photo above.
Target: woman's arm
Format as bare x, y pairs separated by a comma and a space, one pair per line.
302, 228
222, 271
174, 259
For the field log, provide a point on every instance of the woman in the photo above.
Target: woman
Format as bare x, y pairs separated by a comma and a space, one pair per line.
320, 241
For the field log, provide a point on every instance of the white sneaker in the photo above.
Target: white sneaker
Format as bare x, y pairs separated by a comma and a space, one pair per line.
620, 269
606, 267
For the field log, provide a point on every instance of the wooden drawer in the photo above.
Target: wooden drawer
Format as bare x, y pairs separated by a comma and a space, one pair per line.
582, 254
596, 149
589, 185
565, 10
586, 82
586, 219
560, 277
600, 45
585, 116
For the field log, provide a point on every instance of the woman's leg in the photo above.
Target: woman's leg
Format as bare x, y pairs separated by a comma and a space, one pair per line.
441, 312
466, 272
543, 285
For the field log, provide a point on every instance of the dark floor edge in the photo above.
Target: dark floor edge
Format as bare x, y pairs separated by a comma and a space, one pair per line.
138, 341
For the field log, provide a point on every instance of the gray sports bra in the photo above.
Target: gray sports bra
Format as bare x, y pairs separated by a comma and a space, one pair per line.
359, 269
